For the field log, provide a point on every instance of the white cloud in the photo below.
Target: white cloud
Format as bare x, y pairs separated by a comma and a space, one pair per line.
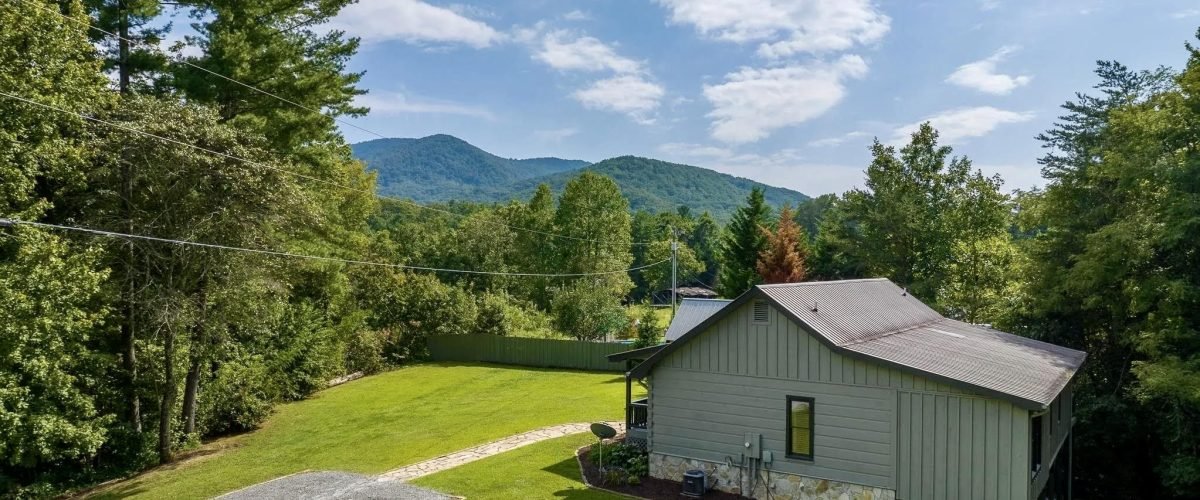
628, 89
784, 27
785, 167
754, 102
629, 94
396, 103
1185, 13
556, 134
413, 21
957, 124
981, 75
584, 53
577, 15
683, 151
837, 140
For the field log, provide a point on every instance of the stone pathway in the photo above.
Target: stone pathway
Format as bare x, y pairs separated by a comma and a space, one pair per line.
449, 461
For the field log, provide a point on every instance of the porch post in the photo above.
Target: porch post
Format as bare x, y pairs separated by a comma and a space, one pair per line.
628, 401
1070, 461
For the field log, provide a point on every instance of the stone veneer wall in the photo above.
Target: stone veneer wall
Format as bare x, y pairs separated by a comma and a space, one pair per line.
782, 485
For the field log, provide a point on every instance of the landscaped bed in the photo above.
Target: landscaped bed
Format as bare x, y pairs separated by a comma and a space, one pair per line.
385, 421
639, 486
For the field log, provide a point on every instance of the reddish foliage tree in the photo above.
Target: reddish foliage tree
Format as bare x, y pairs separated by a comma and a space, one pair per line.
785, 258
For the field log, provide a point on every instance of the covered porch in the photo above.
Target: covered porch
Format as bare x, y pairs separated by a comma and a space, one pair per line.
637, 411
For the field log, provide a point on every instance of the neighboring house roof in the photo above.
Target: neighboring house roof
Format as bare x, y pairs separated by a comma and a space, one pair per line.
692, 312
877, 320
698, 292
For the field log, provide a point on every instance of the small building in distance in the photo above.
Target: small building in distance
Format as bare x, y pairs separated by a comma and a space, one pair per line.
855, 389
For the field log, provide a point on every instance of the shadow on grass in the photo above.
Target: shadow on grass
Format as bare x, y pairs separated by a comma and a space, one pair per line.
569, 469
124, 489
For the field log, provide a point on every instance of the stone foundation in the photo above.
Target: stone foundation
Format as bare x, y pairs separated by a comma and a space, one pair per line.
781, 485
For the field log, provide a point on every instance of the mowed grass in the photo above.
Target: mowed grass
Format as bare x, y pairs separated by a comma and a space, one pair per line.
542, 470
385, 421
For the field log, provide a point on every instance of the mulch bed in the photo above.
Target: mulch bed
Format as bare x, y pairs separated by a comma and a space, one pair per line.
649, 488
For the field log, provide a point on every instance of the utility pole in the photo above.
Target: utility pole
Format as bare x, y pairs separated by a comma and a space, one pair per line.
674, 269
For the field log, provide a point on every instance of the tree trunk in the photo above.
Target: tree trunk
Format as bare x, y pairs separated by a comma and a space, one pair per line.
123, 46
128, 332
129, 358
191, 388
198, 345
168, 397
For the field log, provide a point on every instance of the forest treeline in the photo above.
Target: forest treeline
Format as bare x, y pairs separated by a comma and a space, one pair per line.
117, 354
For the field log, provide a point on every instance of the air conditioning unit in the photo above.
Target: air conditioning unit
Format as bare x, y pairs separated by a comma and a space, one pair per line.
695, 483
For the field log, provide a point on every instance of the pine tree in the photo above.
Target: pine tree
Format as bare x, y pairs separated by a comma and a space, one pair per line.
260, 41
742, 244
137, 65
785, 260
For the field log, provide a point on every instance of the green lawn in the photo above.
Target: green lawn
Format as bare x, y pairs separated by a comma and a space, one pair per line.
385, 421
544, 470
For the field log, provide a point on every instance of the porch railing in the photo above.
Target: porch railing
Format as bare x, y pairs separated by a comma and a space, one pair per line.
639, 412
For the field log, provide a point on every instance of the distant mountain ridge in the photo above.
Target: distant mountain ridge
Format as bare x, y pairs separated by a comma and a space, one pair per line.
661, 186
443, 167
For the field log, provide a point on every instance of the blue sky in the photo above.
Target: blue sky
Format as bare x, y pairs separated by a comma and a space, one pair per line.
786, 92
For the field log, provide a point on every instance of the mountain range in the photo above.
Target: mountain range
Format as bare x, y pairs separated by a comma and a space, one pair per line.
443, 167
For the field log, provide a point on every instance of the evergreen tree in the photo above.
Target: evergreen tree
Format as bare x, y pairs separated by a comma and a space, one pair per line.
810, 212
137, 65
260, 42
785, 260
836, 252
742, 244
648, 330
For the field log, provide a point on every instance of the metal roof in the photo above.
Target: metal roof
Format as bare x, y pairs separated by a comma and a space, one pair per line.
692, 312
635, 354
878, 320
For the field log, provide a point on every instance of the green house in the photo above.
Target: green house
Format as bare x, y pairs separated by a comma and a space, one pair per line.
855, 389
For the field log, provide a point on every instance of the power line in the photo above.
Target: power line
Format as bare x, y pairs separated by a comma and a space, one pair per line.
289, 172
298, 105
7, 222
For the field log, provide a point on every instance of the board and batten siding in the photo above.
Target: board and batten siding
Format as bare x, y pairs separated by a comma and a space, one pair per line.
955, 447
734, 378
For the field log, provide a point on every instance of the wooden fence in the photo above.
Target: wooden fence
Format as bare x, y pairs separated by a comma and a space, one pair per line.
548, 353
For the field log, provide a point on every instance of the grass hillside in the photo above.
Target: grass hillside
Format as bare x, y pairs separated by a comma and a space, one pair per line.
443, 167
385, 421
662, 186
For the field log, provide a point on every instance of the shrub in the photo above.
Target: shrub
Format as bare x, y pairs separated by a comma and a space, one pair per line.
648, 331
237, 398
586, 312
364, 351
623, 462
